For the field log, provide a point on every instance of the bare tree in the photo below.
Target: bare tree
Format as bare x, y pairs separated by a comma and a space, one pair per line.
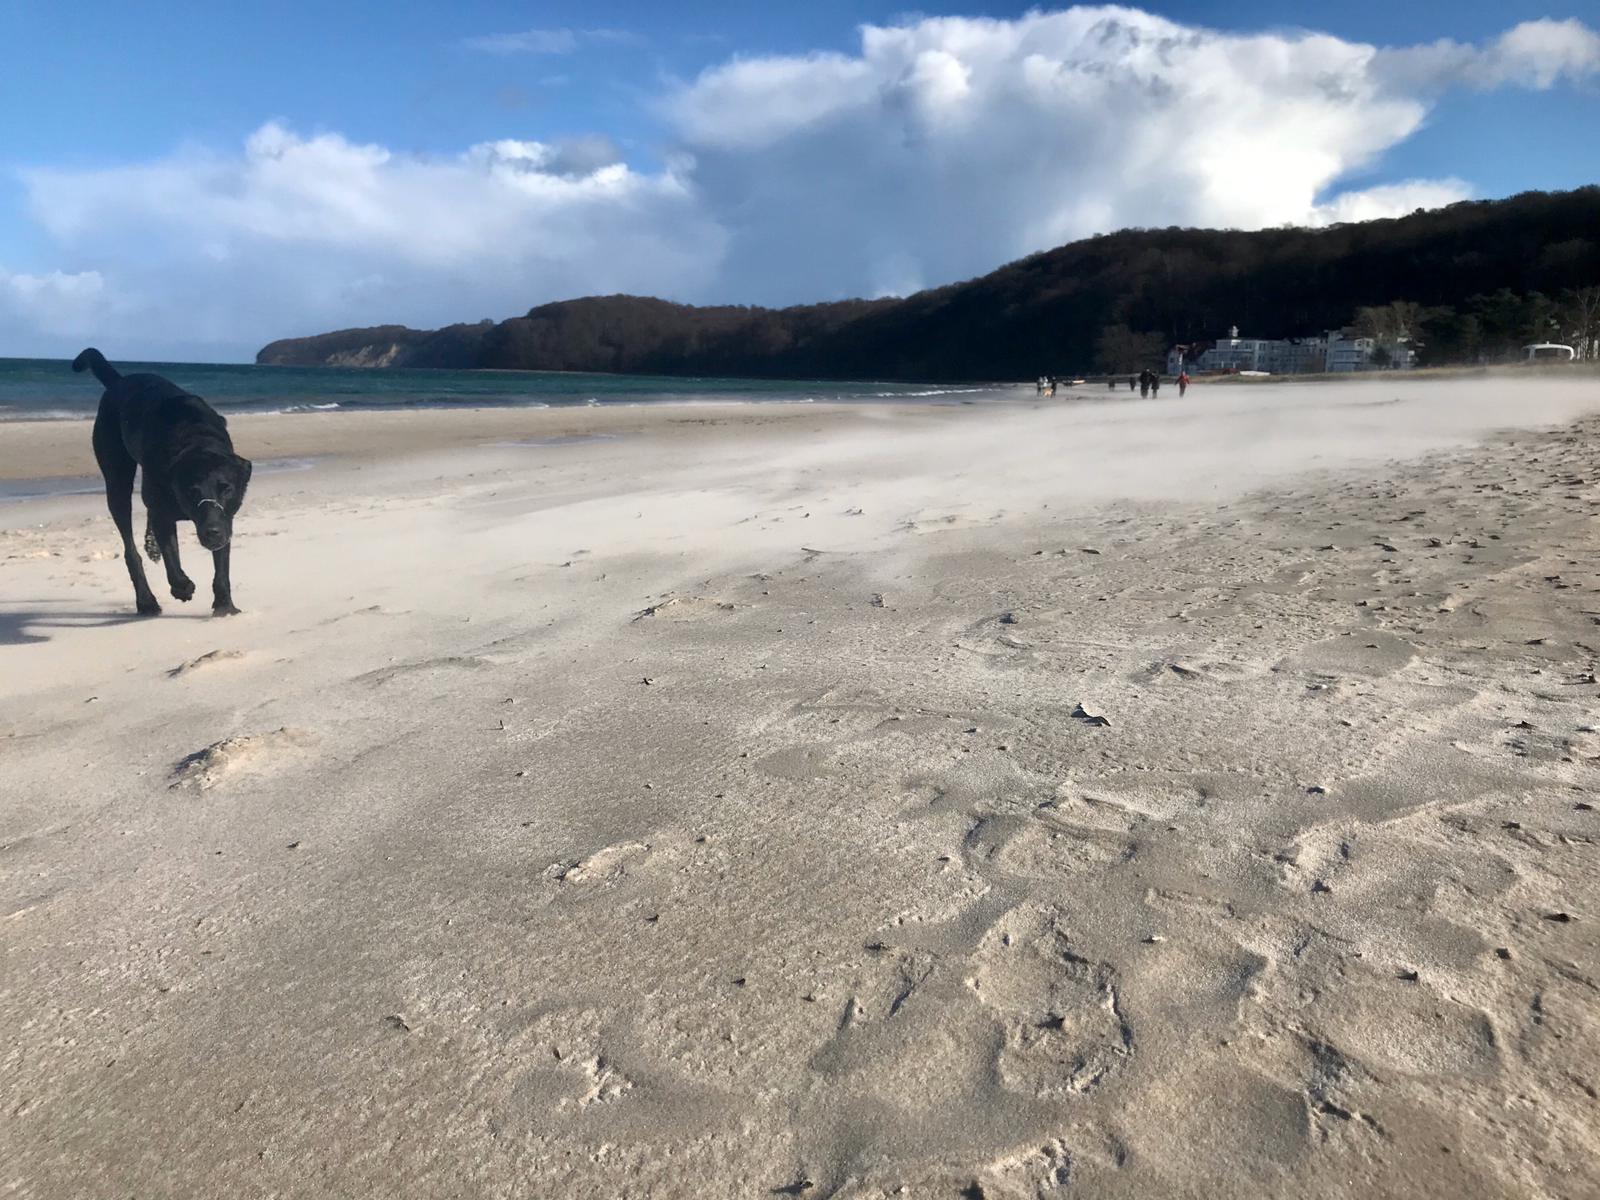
1579, 316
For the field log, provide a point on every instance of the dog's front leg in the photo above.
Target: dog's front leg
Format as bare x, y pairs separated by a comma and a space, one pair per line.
221, 588
164, 530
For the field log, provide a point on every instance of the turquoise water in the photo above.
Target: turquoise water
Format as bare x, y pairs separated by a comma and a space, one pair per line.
46, 388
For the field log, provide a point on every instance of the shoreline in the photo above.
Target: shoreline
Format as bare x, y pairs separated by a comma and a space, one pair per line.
60, 448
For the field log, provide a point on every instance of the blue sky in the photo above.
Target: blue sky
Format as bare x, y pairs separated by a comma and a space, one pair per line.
111, 113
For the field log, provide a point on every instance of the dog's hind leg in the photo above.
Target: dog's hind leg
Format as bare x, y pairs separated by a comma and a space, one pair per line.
152, 547
118, 467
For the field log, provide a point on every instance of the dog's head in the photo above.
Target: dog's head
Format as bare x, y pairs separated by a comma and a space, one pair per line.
210, 488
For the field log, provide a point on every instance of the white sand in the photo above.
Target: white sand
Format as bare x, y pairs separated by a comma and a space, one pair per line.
703, 811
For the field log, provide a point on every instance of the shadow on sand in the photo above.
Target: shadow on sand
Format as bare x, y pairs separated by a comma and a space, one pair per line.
20, 626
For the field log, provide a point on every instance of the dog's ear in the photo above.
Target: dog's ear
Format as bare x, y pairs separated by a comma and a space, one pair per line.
242, 469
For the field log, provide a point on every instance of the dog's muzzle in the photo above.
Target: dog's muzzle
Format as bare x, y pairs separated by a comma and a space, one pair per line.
213, 534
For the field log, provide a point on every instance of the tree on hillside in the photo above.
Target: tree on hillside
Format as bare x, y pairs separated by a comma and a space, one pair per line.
1480, 280
1448, 336
1120, 351
1392, 322
1509, 321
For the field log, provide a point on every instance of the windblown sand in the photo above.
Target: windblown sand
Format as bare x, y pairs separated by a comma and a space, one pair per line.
1139, 800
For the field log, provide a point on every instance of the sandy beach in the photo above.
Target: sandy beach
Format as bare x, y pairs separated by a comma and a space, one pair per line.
1183, 799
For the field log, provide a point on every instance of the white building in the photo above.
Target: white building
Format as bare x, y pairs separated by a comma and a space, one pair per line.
1349, 353
1276, 356
1296, 356
1339, 350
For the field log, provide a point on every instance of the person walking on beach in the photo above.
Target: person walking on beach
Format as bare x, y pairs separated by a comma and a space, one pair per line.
1155, 384
1144, 383
1183, 384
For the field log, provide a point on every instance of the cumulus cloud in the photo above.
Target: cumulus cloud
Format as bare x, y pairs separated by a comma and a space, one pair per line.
1535, 54
299, 234
1390, 200
937, 150
946, 146
56, 303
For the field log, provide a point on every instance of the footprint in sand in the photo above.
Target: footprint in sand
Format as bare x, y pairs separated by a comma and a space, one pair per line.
948, 522
1038, 1171
798, 762
1390, 1024
571, 1065
427, 665
1362, 652
212, 659
999, 636
239, 755
684, 608
607, 865
1050, 846
1064, 1026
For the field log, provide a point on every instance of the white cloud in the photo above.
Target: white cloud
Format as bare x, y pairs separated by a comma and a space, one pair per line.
529, 41
947, 146
938, 150
300, 234
1536, 54
1390, 200
752, 103
56, 303
548, 41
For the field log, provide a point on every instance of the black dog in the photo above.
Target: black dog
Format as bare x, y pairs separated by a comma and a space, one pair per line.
190, 473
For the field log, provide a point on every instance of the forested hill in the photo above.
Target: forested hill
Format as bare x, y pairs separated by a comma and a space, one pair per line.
1488, 275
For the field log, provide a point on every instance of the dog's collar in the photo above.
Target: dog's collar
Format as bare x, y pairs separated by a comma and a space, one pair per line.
209, 500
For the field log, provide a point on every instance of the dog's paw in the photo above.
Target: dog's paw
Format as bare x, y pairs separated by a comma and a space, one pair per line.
183, 589
150, 607
224, 610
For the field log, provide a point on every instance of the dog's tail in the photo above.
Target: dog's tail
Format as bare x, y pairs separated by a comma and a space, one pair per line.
92, 360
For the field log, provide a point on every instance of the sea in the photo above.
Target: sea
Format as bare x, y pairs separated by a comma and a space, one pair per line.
47, 389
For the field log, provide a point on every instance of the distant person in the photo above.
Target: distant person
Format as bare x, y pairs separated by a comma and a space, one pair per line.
1183, 384
1111, 383
1132, 383
1144, 383
1155, 384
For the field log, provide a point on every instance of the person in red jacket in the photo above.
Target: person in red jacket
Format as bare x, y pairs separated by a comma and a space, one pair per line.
1183, 384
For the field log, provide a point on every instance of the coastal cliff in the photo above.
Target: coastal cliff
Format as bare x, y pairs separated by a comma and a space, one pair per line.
455, 346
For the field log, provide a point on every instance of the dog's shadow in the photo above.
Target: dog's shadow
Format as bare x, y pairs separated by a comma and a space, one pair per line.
22, 626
